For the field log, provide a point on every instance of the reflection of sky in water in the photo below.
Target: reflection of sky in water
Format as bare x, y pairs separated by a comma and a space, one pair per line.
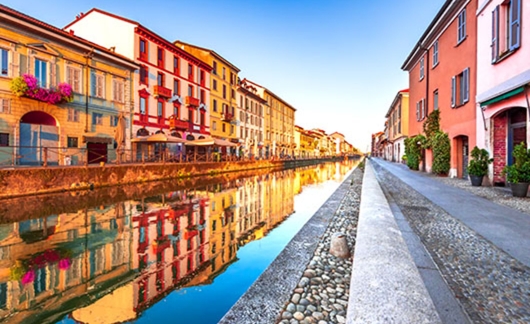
207, 304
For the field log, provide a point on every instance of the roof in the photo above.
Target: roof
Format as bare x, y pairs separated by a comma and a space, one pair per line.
419, 45
396, 98
60, 32
142, 27
214, 53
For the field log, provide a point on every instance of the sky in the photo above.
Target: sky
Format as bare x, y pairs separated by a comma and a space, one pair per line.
337, 62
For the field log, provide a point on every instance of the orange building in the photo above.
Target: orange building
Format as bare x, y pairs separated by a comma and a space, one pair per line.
442, 76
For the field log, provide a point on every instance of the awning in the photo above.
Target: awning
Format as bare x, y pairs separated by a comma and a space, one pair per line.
503, 96
158, 138
222, 142
200, 142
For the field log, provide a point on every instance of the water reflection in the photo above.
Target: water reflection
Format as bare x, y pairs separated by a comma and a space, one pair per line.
109, 263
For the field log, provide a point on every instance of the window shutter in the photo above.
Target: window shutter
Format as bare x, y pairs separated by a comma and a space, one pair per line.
453, 92
92, 83
418, 111
515, 25
23, 64
495, 35
466, 85
424, 108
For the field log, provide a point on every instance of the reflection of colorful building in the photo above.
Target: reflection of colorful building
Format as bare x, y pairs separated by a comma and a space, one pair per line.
47, 263
170, 243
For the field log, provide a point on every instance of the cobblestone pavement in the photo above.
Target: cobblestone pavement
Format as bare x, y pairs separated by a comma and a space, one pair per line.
321, 295
491, 285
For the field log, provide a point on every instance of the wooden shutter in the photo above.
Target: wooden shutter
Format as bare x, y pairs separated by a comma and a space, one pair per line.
23, 64
453, 92
495, 34
515, 25
465, 80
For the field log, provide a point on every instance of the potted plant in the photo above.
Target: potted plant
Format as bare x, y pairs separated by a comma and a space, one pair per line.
518, 174
478, 166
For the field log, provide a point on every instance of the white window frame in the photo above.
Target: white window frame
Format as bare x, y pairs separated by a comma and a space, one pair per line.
40, 63
5, 106
5, 57
461, 32
100, 86
118, 93
73, 115
73, 78
422, 68
435, 54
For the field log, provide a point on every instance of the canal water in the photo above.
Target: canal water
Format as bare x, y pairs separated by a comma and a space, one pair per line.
180, 252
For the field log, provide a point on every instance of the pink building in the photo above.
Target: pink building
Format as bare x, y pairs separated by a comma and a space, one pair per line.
503, 76
172, 87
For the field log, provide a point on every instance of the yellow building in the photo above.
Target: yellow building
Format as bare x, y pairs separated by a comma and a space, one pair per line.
223, 87
397, 124
77, 128
279, 124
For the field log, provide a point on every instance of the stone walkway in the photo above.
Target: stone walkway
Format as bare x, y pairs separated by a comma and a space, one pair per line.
322, 293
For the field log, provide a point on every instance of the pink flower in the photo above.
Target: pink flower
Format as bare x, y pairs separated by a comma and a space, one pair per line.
65, 89
31, 81
28, 277
64, 264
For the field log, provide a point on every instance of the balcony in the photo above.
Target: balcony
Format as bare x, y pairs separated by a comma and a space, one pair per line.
190, 101
174, 122
227, 116
162, 91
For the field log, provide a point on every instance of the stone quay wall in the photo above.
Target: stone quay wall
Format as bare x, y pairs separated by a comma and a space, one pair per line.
16, 182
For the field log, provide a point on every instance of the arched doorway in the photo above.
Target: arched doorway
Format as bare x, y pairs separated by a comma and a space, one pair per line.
509, 129
38, 130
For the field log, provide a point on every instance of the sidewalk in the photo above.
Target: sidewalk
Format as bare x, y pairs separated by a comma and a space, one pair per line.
506, 228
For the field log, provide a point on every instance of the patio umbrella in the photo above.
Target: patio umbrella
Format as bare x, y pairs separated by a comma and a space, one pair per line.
201, 142
119, 134
163, 138
221, 142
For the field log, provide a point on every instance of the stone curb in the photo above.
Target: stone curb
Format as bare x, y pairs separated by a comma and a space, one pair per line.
385, 286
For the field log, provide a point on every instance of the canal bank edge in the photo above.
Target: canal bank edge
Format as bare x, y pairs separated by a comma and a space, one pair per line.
17, 182
264, 300
386, 285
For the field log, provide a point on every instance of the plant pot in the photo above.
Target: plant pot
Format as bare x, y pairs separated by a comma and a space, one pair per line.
476, 181
519, 189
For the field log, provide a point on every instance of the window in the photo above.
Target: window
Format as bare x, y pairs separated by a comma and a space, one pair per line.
4, 62
73, 115
190, 72
143, 106
224, 73
5, 106
41, 71
460, 89
435, 53
176, 65
117, 90
71, 141
160, 57
231, 129
506, 29
461, 29
176, 111
224, 91
233, 94
143, 49
160, 79
224, 127
160, 109
190, 91
4, 139
421, 111
215, 85
176, 87
73, 78
97, 119
422, 68
201, 77
215, 105
202, 96
214, 125
232, 78
98, 85
434, 101
144, 72
113, 121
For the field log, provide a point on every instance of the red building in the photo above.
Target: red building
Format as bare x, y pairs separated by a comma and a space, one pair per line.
442, 76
